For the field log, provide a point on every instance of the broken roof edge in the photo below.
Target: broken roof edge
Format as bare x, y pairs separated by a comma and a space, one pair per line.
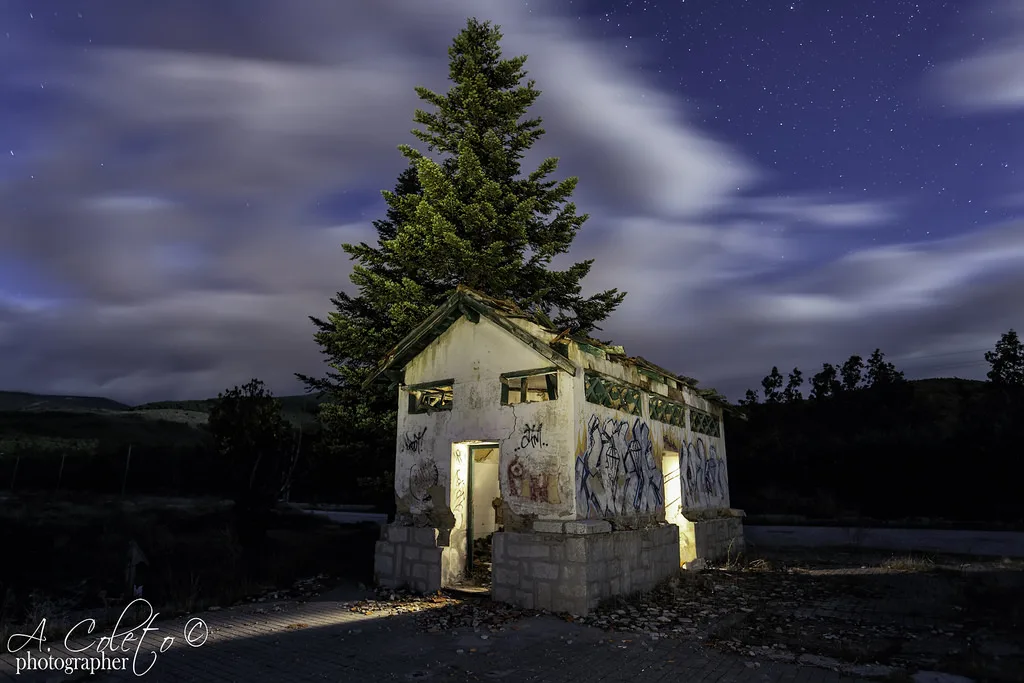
466, 301
617, 356
388, 361
504, 306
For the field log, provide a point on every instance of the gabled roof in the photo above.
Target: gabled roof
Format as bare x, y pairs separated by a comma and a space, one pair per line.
471, 304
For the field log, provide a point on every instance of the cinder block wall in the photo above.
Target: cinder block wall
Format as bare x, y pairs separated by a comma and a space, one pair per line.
408, 556
573, 572
710, 539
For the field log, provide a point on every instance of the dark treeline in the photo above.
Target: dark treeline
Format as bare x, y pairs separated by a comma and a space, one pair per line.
866, 442
89, 453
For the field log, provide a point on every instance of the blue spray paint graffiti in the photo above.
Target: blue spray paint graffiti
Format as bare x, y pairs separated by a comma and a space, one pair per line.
618, 474
704, 475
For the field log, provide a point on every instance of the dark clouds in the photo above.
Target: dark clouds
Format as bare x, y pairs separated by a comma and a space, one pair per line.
166, 169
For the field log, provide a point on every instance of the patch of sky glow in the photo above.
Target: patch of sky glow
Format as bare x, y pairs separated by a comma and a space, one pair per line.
178, 256
128, 202
353, 204
27, 288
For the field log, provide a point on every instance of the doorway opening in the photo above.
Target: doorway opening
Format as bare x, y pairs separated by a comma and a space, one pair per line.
483, 512
673, 487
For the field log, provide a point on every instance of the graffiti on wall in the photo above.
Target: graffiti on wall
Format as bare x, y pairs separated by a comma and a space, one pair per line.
412, 442
422, 477
533, 436
523, 481
539, 487
704, 475
617, 474
530, 438
459, 496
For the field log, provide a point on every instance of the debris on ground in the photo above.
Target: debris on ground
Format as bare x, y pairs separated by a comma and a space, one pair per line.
480, 575
300, 591
441, 612
851, 613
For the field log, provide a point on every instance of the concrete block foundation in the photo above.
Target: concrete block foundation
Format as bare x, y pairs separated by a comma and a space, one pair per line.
560, 566
711, 538
574, 572
409, 557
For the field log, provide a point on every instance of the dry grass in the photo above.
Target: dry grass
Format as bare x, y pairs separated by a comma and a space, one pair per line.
745, 562
189, 417
57, 614
909, 563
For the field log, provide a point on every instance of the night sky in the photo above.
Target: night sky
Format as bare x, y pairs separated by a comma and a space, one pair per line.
774, 183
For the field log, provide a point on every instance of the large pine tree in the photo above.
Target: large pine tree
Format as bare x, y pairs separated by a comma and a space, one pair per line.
463, 212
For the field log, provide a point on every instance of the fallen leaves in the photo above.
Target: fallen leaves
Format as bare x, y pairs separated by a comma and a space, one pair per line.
301, 590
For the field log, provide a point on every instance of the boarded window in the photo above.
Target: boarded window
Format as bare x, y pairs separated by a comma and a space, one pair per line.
529, 386
427, 398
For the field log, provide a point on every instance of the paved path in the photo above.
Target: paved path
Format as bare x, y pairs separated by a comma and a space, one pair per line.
354, 514
325, 641
952, 541
345, 517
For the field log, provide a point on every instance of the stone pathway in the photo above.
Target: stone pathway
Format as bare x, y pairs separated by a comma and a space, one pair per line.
326, 640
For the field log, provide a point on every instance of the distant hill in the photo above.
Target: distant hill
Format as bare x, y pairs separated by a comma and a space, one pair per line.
74, 430
83, 442
50, 424
19, 400
299, 409
294, 402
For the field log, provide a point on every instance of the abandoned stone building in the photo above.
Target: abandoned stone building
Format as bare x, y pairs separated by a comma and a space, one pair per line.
583, 473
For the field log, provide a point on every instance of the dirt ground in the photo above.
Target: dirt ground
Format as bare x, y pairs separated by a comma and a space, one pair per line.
906, 613
871, 615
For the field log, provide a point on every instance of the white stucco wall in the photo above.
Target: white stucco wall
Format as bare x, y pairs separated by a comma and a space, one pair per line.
533, 479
